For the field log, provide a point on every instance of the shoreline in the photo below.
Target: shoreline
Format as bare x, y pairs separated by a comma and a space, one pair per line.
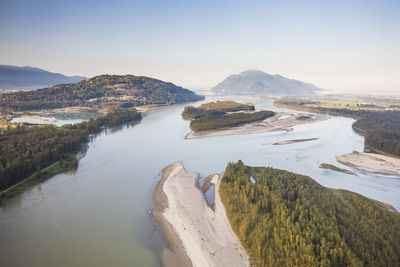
371, 163
40, 176
175, 254
198, 235
279, 122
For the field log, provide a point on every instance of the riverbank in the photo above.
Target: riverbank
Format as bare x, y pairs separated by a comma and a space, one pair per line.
70, 162
197, 234
379, 164
279, 122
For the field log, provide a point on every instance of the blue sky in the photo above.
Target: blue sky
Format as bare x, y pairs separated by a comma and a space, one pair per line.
349, 46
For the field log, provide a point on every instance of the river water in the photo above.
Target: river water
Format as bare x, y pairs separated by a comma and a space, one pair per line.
97, 214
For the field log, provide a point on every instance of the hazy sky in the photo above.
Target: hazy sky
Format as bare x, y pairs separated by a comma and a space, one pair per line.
350, 46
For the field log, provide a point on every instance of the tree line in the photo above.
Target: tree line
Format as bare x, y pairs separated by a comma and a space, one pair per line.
287, 219
214, 122
27, 149
381, 128
221, 114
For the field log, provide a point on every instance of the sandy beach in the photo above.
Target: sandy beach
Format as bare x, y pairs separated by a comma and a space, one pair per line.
279, 122
198, 235
382, 164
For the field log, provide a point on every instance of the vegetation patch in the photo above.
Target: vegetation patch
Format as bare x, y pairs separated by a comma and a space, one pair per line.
100, 91
287, 219
27, 149
67, 163
381, 126
215, 108
222, 114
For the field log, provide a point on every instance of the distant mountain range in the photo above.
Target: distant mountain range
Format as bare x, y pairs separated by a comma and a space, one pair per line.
14, 77
255, 82
100, 91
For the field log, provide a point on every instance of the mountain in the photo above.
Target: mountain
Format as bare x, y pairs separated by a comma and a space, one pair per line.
13, 77
255, 82
100, 91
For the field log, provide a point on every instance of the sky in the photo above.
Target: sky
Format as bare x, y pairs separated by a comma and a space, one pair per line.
347, 46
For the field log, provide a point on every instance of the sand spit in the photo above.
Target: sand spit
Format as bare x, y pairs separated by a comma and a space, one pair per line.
279, 122
287, 142
378, 164
335, 168
197, 234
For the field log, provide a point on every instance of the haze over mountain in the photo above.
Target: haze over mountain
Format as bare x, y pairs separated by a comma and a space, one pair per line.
101, 91
14, 77
255, 82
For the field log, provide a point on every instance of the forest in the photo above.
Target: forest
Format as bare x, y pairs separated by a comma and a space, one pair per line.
222, 114
26, 149
287, 219
380, 128
228, 120
215, 108
100, 91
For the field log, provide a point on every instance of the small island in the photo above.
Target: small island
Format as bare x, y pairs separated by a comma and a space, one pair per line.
215, 108
222, 114
230, 118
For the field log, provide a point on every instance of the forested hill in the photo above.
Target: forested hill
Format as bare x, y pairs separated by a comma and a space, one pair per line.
103, 90
287, 219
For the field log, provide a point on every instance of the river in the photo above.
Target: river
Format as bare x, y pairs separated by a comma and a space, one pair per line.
97, 214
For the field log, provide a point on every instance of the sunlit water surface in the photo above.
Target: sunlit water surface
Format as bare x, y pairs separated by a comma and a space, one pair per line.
97, 215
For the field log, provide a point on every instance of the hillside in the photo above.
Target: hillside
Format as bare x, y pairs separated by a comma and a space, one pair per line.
13, 77
100, 91
255, 82
287, 219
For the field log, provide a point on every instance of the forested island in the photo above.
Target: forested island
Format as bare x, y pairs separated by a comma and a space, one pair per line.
287, 219
380, 126
27, 149
100, 91
215, 108
222, 114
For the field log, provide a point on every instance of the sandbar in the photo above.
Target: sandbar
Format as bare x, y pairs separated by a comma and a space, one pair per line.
198, 234
279, 122
287, 142
377, 163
